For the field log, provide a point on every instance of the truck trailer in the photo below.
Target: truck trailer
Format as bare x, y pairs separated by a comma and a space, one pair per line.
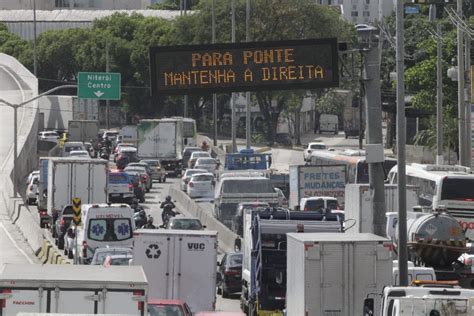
74, 289
332, 274
179, 264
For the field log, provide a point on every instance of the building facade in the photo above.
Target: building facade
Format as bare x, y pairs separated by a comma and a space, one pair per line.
361, 11
77, 4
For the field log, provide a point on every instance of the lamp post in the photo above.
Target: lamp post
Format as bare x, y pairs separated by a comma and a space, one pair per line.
15, 129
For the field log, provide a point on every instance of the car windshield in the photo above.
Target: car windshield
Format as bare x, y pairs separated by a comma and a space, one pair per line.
99, 257
250, 185
314, 205
209, 161
457, 189
165, 310
333, 205
72, 148
318, 146
197, 155
201, 178
235, 260
67, 210
191, 224
120, 261
190, 172
110, 229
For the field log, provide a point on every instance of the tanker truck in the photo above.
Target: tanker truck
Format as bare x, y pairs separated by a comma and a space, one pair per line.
434, 240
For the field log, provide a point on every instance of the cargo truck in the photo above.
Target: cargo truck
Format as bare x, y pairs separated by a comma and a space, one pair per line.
70, 178
179, 264
358, 204
74, 289
83, 130
264, 285
162, 139
332, 274
317, 180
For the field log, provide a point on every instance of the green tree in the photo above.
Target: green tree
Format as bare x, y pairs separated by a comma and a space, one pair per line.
173, 5
13, 45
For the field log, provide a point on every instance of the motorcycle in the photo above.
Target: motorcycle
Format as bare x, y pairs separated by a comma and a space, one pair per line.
167, 216
104, 154
140, 219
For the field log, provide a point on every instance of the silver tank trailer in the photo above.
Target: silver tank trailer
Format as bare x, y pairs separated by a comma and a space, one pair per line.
436, 240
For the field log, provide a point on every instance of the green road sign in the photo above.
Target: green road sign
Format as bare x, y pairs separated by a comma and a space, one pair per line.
98, 85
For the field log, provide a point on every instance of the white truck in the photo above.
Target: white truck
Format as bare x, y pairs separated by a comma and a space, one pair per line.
264, 264
358, 202
162, 139
179, 264
437, 300
129, 135
318, 180
83, 130
75, 289
332, 274
70, 178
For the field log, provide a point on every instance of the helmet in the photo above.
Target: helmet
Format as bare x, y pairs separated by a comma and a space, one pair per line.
168, 198
204, 142
150, 220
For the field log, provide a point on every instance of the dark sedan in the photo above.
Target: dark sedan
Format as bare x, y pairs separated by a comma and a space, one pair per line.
229, 274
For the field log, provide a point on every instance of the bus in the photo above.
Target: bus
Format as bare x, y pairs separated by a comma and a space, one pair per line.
443, 186
247, 159
357, 167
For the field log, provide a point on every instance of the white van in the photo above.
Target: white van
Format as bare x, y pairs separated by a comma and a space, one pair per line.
414, 273
103, 225
318, 203
328, 123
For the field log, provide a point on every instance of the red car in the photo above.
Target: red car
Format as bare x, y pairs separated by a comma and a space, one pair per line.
158, 307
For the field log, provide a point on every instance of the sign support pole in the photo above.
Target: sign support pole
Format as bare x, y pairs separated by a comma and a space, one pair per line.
232, 97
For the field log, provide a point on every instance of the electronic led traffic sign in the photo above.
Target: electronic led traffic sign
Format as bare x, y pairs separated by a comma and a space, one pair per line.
302, 64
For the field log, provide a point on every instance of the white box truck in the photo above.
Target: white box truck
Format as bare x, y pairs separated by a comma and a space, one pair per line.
358, 204
162, 139
322, 180
179, 264
332, 274
70, 178
83, 130
75, 289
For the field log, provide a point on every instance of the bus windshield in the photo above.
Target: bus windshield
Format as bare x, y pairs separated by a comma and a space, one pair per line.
363, 170
461, 189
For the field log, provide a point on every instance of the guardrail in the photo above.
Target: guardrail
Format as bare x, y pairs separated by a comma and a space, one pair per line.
225, 235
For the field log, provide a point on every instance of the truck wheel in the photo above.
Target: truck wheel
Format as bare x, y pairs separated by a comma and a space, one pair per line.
70, 255
54, 233
219, 290
42, 225
345, 135
159, 180
225, 294
60, 243
164, 179
147, 190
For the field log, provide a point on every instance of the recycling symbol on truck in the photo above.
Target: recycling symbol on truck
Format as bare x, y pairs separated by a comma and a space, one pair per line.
153, 251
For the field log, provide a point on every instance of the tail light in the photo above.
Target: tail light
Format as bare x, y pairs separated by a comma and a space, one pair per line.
130, 187
43, 213
191, 184
61, 222
338, 207
84, 249
468, 261
140, 304
3, 302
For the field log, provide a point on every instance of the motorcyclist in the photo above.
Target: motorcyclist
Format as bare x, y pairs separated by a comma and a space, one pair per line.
204, 146
149, 223
140, 219
108, 143
167, 207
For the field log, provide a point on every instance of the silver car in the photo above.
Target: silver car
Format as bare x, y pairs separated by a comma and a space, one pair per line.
187, 175
209, 164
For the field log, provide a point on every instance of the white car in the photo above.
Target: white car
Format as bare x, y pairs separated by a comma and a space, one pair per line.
100, 254
79, 154
187, 175
201, 185
49, 136
209, 164
312, 147
32, 190
195, 155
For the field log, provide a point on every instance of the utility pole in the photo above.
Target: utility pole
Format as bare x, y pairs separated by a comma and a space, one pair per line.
107, 102
439, 86
35, 59
214, 96
232, 98
461, 104
467, 106
361, 90
401, 139
182, 10
247, 94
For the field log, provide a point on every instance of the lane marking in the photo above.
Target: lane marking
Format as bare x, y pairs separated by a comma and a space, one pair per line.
15, 243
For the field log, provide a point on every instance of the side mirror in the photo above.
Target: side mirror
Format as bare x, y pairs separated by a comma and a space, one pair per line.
369, 307
218, 263
204, 226
237, 244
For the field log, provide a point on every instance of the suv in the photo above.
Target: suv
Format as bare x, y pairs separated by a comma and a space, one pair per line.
312, 147
120, 187
72, 146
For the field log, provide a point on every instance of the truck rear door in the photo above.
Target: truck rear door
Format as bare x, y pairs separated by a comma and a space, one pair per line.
166, 135
63, 176
197, 288
80, 183
98, 184
14, 301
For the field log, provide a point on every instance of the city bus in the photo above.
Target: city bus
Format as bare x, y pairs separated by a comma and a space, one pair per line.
357, 167
443, 186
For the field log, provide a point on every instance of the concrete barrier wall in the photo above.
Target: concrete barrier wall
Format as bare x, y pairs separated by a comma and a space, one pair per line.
225, 235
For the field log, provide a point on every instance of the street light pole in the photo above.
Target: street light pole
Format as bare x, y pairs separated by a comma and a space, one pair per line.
461, 109
34, 40
247, 94
214, 96
232, 97
15, 129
